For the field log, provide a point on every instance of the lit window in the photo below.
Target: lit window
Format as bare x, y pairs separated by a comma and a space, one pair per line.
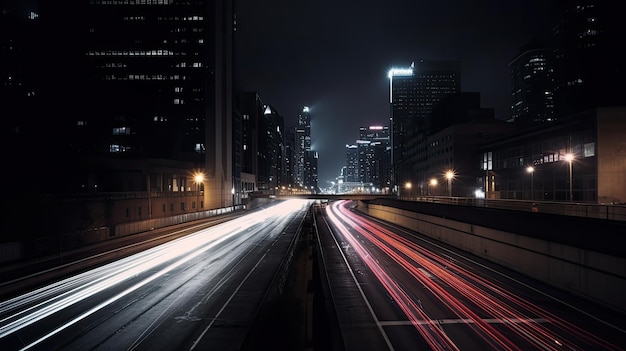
121, 131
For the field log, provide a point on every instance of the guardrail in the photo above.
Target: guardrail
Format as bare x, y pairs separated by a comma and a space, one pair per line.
587, 210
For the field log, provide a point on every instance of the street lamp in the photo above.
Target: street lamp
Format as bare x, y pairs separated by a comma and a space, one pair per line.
569, 158
449, 176
198, 178
433, 182
408, 186
531, 170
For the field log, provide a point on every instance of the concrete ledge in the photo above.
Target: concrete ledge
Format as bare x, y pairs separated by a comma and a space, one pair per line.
596, 276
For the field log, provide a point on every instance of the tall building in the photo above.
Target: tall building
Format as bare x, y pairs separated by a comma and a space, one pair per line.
134, 96
589, 60
304, 157
532, 85
252, 110
19, 95
413, 94
270, 149
289, 159
373, 156
351, 171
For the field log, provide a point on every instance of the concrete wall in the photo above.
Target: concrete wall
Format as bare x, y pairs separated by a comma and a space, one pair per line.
593, 275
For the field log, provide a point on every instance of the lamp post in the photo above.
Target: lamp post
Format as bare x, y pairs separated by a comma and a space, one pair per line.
569, 158
531, 170
433, 183
408, 186
198, 178
449, 176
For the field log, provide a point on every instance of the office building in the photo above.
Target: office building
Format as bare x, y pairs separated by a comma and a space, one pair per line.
306, 159
577, 158
373, 156
532, 86
413, 94
590, 62
132, 96
270, 150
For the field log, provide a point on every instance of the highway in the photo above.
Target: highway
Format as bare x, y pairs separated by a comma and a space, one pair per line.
198, 291
394, 289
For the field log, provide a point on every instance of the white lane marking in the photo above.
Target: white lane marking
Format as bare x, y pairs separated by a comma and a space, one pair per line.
356, 282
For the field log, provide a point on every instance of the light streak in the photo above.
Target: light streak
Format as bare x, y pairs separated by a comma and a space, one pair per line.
479, 296
25, 310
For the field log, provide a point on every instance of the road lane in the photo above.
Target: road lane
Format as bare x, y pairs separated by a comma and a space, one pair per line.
448, 302
198, 290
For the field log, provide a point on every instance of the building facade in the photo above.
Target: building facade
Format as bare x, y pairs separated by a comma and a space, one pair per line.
413, 94
532, 86
577, 158
590, 64
130, 97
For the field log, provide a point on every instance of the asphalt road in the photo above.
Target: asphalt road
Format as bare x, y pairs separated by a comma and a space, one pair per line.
200, 291
397, 290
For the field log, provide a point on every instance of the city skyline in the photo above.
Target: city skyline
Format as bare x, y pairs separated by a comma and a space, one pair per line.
335, 57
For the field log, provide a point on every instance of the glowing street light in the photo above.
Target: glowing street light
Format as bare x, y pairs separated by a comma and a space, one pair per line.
408, 186
433, 182
569, 158
449, 176
531, 170
198, 178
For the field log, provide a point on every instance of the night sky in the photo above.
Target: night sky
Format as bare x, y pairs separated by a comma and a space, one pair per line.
333, 56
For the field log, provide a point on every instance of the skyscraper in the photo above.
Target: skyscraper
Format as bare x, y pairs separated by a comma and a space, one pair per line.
303, 147
414, 93
532, 85
373, 156
589, 60
136, 95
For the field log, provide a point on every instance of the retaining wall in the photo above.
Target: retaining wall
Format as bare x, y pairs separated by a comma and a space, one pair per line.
596, 276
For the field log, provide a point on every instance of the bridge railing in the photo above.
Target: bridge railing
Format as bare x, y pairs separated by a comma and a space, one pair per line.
588, 210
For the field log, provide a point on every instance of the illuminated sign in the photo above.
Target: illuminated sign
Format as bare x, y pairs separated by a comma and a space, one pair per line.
400, 72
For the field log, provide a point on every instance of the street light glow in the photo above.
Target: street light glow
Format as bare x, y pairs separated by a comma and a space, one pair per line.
450, 176
198, 178
569, 158
531, 170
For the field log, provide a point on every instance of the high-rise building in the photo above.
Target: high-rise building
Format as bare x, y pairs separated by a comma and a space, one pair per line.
252, 110
306, 160
270, 149
589, 59
373, 156
414, 93
532, 85
288, 159
135, 96
351, 171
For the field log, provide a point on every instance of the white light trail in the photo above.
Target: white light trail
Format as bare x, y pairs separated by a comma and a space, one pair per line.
25, 310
